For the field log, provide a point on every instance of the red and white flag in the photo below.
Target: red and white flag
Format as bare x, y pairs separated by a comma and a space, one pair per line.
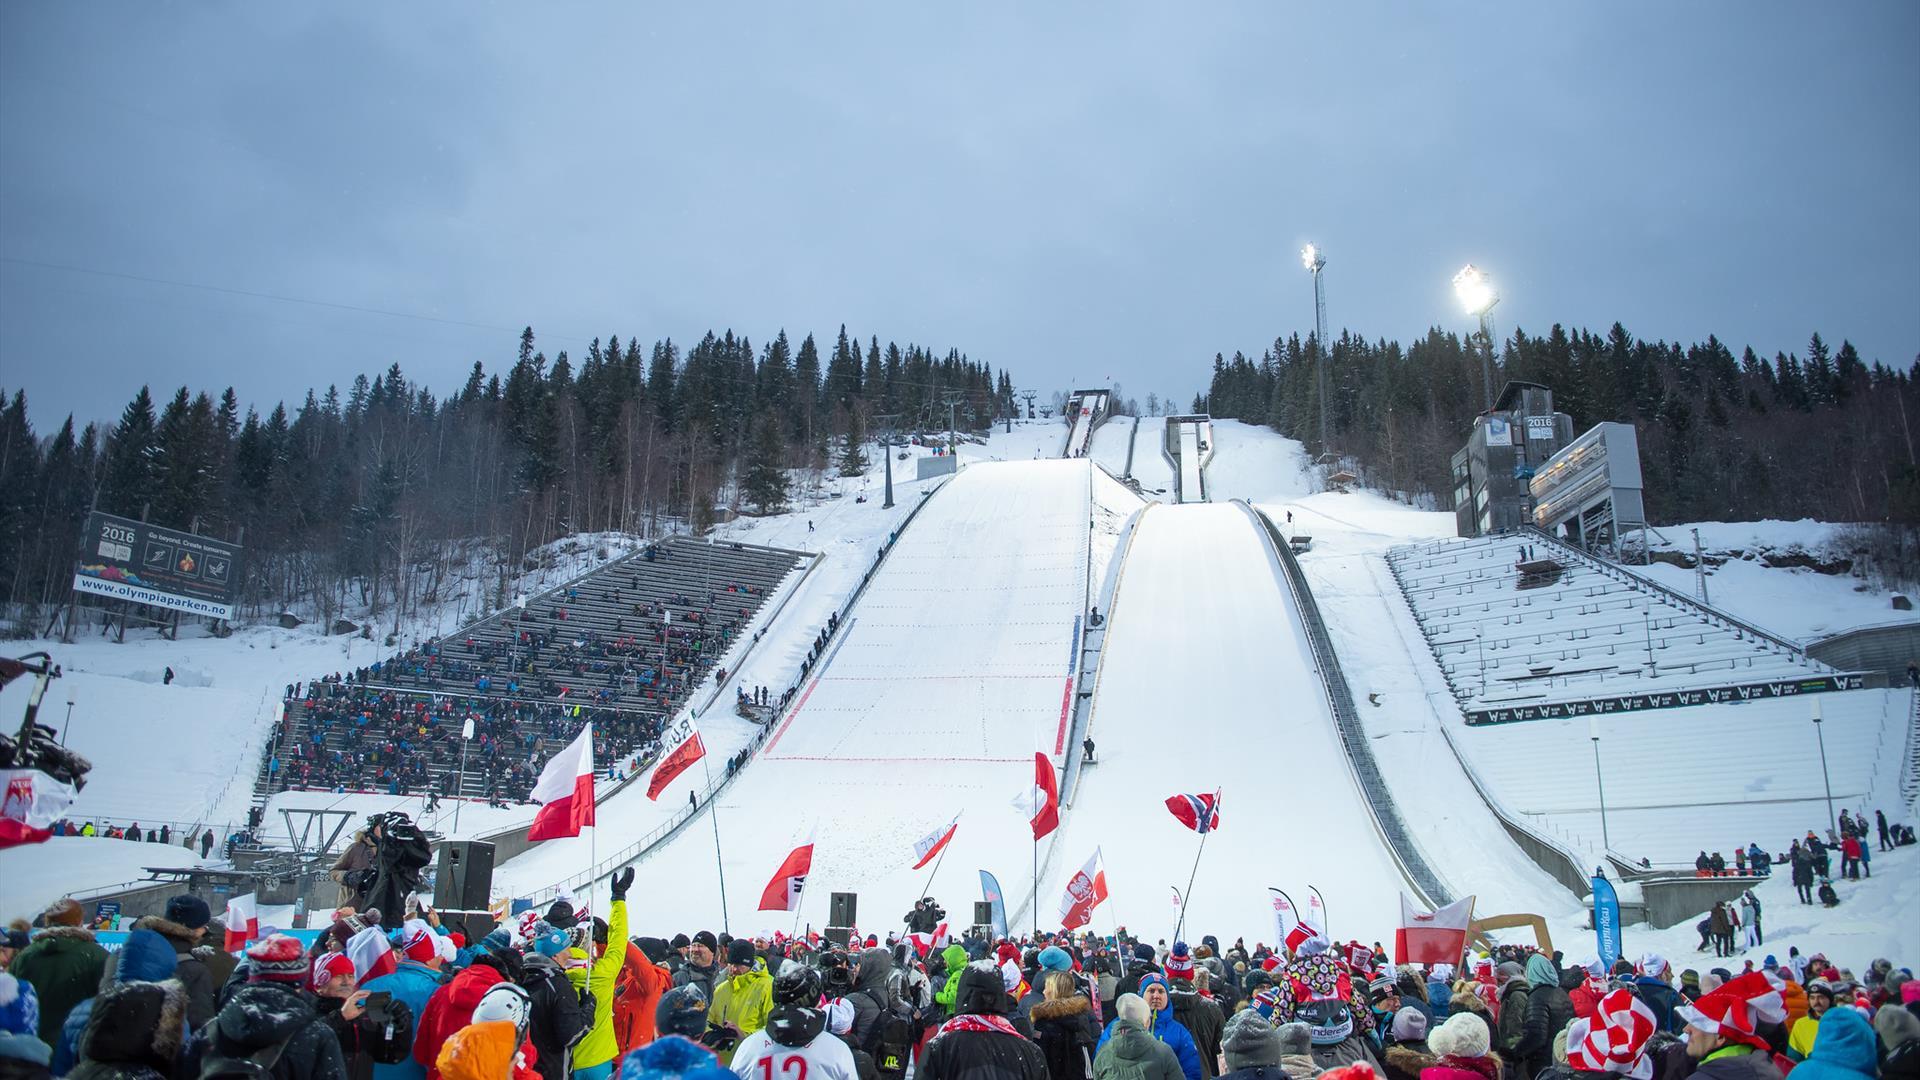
1041, 802
925, 848
1201, 813
783, 892
243, 921
372, 955
1433, 937
1085, 890
687, 749
31, 803
924, 943
566, 788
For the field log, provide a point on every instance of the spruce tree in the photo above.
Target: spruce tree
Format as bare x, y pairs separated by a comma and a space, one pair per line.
765, 480
126, 483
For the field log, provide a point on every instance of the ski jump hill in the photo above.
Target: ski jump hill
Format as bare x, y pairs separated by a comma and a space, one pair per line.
960, 662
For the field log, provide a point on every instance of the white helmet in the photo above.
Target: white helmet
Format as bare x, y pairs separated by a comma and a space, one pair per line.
505, 1001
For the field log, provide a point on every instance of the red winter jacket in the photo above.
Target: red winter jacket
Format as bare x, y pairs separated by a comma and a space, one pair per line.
448, 1010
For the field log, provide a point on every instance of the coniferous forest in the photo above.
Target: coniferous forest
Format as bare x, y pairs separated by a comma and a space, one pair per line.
1723, 437
367, 494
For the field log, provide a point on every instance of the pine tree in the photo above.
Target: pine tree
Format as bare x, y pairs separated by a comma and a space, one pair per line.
127, 482
853, 451
764, 482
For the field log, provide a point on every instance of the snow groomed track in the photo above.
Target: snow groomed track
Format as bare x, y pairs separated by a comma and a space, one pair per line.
1207, 681
1192, 488
954, 670
1087, 410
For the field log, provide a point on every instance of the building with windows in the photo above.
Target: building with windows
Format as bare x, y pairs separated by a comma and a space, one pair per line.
1509, 443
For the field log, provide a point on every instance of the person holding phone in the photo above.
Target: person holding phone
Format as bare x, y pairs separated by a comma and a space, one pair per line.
371, 1025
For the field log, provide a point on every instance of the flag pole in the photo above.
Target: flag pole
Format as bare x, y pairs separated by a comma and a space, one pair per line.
1187, 900
713, 814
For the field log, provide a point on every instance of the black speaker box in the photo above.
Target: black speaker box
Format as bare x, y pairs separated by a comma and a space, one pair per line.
463, 882
840, 911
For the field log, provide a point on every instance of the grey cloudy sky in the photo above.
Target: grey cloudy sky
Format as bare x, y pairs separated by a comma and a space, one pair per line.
1074, 191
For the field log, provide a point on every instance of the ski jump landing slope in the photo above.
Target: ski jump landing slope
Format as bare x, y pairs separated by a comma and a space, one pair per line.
1207, 681
954, 670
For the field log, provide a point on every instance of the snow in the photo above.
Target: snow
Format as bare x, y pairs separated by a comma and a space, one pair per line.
1798, 603
1253, 463
1090, 409
31, 878
1192, 488
1207, 683
958, 654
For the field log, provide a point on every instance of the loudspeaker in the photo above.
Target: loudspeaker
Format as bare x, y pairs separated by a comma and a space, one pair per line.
463, 884
982, 913
838, 936
840, 910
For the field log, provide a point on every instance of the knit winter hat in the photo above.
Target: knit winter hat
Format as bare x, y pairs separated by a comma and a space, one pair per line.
330, 966
740, 952
672, 1057
479, 1052
1409, 1024
1180, 962
680, 941
1735, 1010
548, 940
1691, 978
705, 937
1055, 958
1653, 965
1250, 1041
682, 1011
278, 959
1153, 980
1463, 1035
1614, 1038
415, 940
1143, 952
1295, 1039
19, 1007
561, 914
188, 910
65, 912
839, 1016
345, 926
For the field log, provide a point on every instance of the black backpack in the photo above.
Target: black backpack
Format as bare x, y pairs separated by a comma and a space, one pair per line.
890, 1040
257, 1065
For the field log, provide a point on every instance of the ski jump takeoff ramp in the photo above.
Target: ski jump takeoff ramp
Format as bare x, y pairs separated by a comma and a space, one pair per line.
1207, 681
954, 669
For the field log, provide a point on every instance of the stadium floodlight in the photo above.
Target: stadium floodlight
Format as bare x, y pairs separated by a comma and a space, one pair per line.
1477, 295
1475, 290
1315, 260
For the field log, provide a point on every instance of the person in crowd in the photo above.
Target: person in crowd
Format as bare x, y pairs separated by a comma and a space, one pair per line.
1462, 1050
184, 926
636, 994
560, 1013
1252, 1048
1549, 1007
487, 1051
1722, 1030
144, 957
370, 1026
980, 1039
23, 1054
1162, 1025
1800, 1036
1512, 1037
1651, 986
1064, 1026
593, 1057
63, 964
450, 1008
794, 1040
1197, 1012
701, 967
1844, 1049
412, 983
1899, 1030
136, 1031
269, 1025
742, 1001
1407, 1054
1128, 1048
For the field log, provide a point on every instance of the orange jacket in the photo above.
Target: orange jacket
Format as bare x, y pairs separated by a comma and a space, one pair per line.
1794, 998
636, 994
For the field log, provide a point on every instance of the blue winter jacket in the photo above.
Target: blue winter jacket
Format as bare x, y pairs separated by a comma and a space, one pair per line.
413, 983
1174, 1034
146, 957
1843, 1049
1439, 999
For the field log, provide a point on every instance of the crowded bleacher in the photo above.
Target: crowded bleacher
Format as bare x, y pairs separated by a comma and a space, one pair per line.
623, 647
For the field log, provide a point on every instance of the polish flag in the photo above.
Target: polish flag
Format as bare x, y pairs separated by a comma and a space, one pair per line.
1084, 892
925, 848
372, 955
566, 787
1041, 802
783, 892
243, 921
1433, 937
30, 802
687, 749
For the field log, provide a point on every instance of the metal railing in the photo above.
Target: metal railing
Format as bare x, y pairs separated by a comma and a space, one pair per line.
666, 830
1384, 812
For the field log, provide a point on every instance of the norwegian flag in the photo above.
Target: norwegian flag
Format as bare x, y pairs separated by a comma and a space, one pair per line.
243, 921
1201, 813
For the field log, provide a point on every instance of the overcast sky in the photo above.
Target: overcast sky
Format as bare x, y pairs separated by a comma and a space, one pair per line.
1077, 192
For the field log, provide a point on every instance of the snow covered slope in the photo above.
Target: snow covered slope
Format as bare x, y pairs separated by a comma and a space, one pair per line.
1193, 488
954, 670
1208, 682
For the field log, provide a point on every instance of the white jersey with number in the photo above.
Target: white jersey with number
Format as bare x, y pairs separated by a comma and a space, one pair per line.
825, 1058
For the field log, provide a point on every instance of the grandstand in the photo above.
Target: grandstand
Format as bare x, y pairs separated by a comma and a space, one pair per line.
1525, 627
623, 646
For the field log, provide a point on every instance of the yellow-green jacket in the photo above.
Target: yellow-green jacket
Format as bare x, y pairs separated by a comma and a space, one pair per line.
742, 1002
599, 1046
956, 958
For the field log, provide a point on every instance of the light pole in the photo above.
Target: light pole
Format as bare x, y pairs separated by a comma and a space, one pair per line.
1477, 295
1824, 777
69, 723
886, 448
1699, 568
460, 784
1315, 261
1593, 732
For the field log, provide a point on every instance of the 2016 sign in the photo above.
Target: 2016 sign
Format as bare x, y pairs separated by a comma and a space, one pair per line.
131, 560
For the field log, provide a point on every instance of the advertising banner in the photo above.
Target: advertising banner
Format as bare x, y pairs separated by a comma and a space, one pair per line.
132, 560
1670, 699
1606, 920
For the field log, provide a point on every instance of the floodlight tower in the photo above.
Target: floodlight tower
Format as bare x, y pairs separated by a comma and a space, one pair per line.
1315, 261
1477, 295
